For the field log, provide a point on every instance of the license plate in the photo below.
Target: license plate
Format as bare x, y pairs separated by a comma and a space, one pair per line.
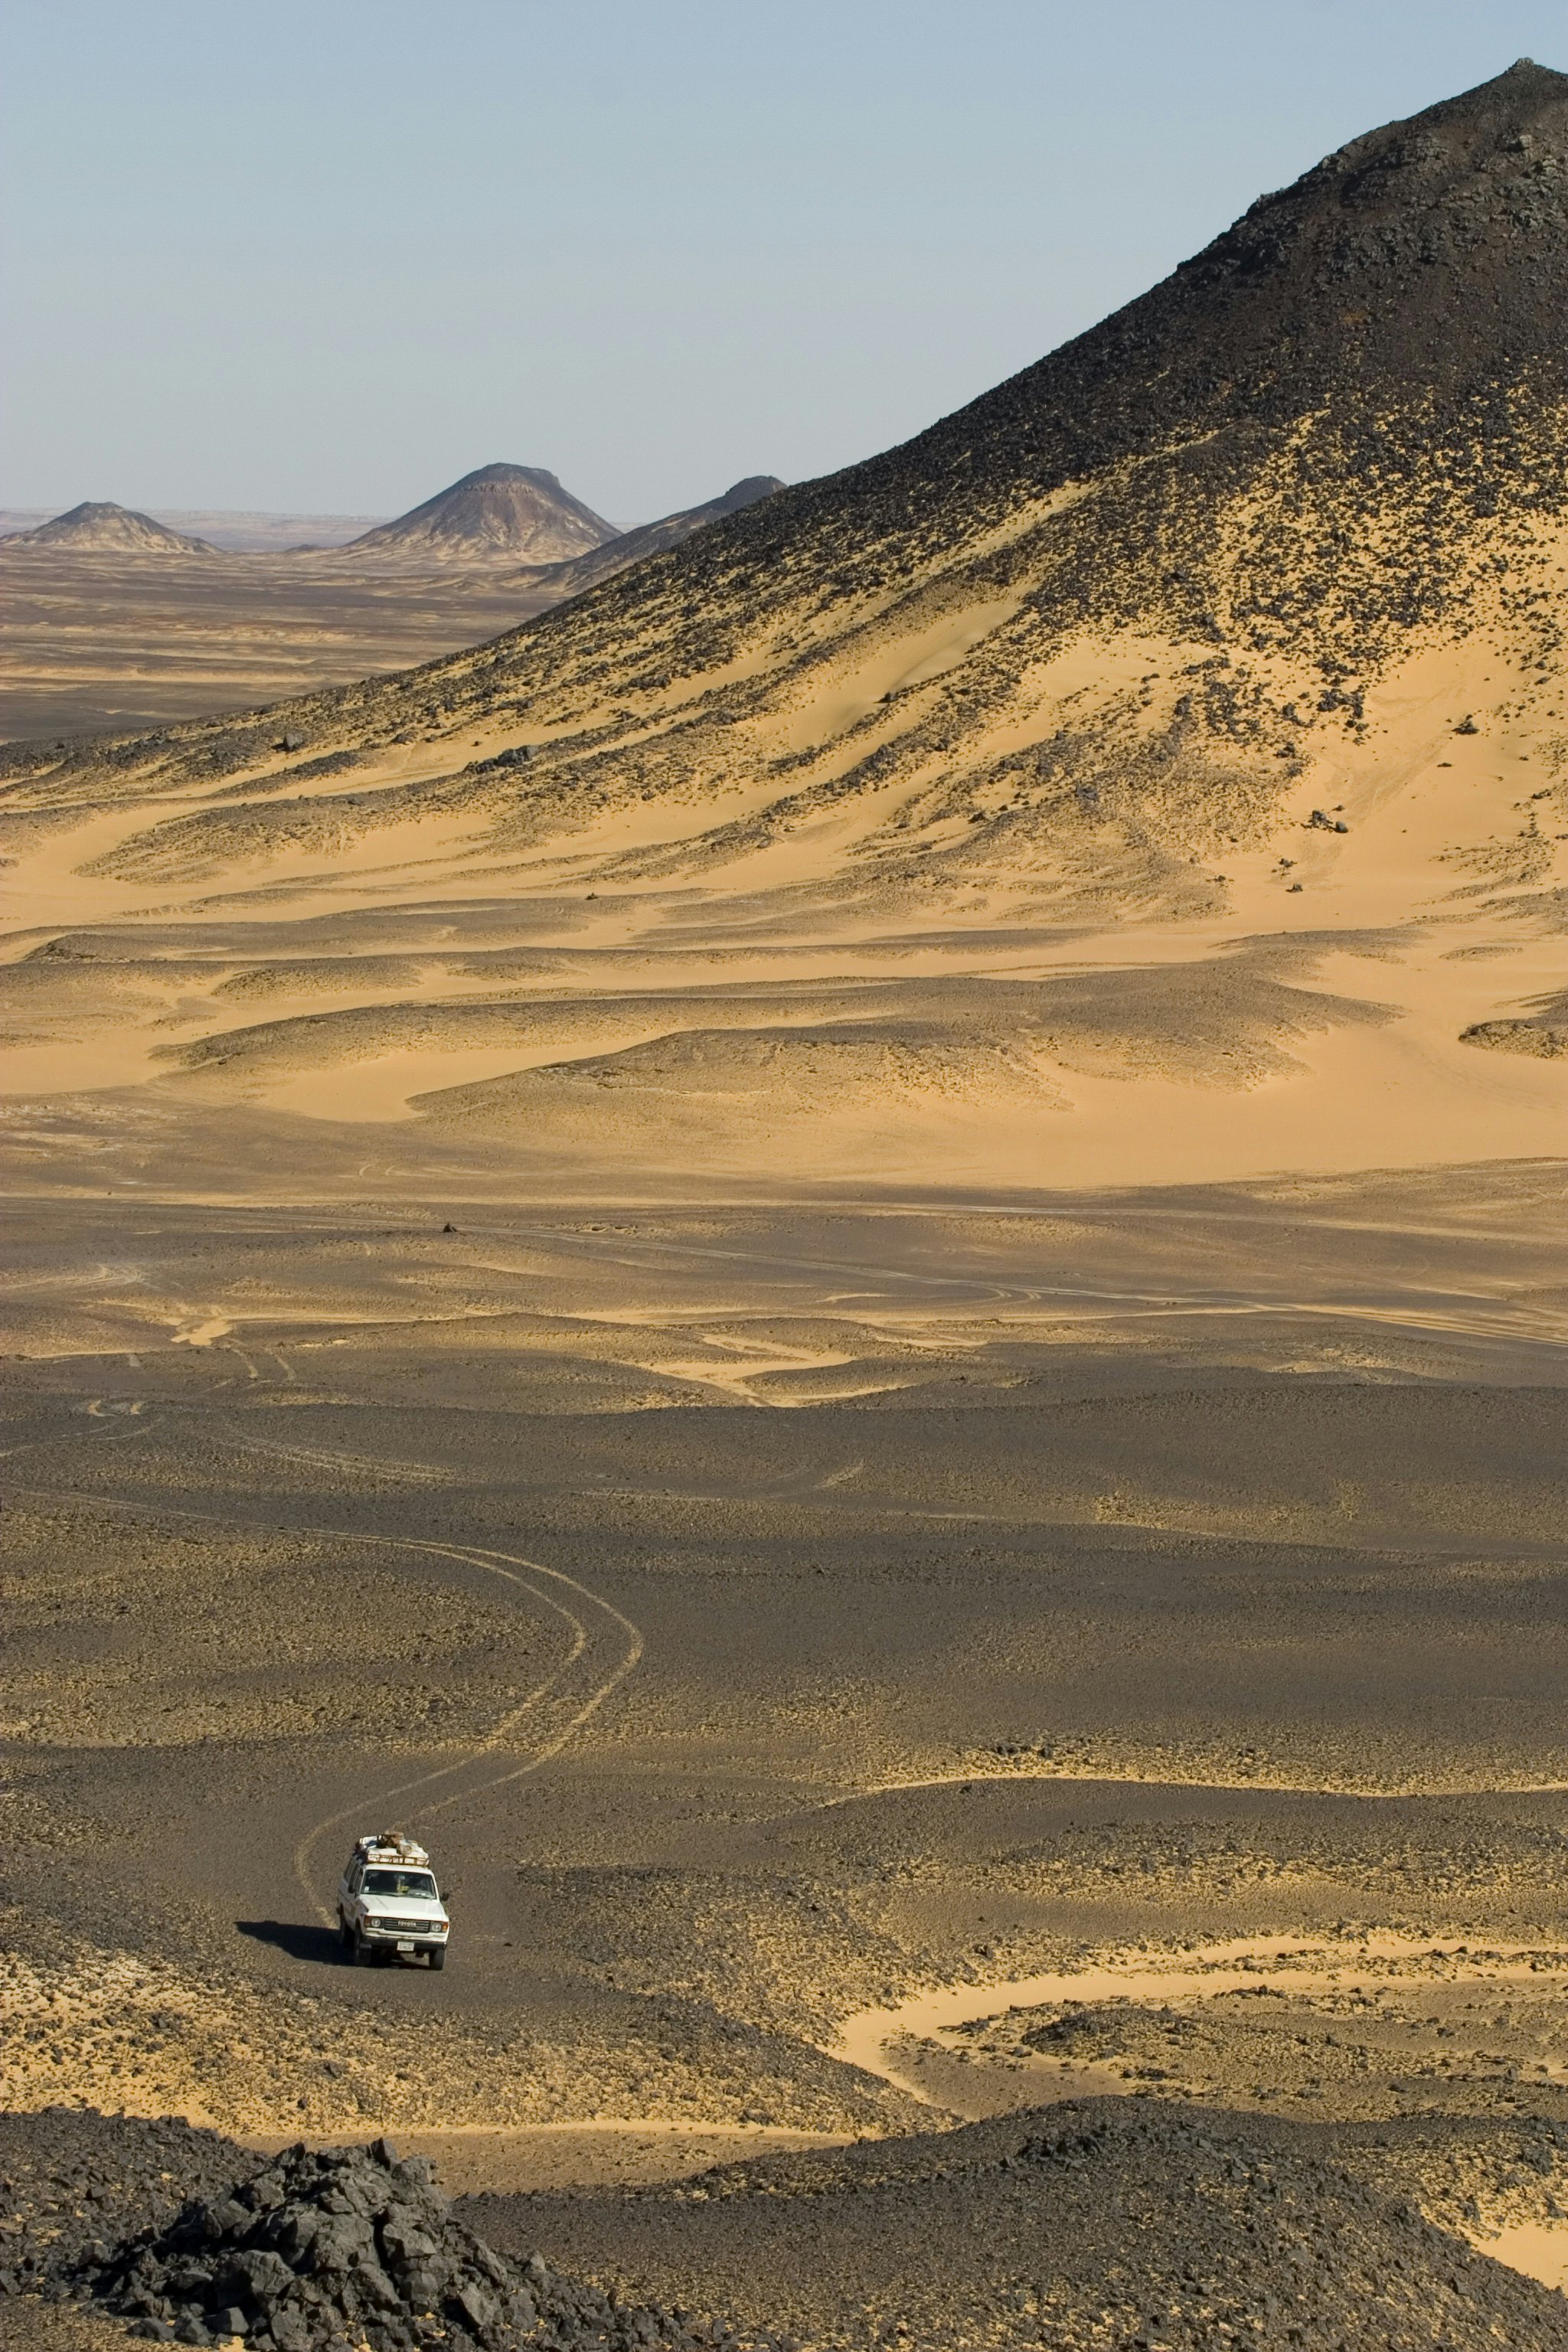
405, 1948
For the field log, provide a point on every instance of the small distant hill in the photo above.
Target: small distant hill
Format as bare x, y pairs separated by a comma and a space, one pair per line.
516, 513
582, 572
100, 527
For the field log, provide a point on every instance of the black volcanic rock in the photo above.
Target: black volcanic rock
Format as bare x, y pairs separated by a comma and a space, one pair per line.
317, 2248
582, 572
314, 2248
1344, 421
521, 512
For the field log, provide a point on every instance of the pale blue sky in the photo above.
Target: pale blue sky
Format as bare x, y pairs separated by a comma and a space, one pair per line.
325, 255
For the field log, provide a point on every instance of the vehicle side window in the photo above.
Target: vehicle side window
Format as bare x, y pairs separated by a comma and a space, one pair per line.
354, 1870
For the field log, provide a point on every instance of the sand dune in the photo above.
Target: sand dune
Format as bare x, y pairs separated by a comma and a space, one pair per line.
1041, 948
1187, 749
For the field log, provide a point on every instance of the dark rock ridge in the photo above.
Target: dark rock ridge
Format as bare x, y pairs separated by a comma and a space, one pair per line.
520, 511
315, 2248
101, 525
1547, 1041
1099, 2226
570, 578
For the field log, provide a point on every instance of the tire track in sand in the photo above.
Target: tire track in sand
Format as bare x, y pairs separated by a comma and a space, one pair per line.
604, 1649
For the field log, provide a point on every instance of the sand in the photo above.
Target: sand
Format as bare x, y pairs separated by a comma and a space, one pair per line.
850, 1262
1318, 1032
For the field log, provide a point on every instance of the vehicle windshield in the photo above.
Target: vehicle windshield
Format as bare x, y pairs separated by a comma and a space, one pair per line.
400, 1881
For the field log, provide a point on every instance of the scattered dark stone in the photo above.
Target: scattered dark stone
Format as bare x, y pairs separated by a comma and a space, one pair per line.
331, 763
1545, 1040
1068, 2227
313, 2251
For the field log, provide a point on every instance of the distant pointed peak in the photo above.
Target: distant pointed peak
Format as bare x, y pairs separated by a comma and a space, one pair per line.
499, 512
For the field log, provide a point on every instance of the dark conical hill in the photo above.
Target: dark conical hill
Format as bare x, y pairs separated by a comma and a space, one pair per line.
1428, 256
516, 512
100, 527
1397, 313
1418, 274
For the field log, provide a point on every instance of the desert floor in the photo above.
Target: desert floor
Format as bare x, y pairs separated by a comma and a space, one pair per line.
857, 1669
819, 1394
93, 641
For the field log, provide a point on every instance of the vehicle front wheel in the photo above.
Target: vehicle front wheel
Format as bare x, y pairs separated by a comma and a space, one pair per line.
364, 1955
345, 1937
439, 1956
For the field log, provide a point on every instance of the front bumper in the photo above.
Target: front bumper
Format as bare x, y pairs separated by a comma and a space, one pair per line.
420, 1938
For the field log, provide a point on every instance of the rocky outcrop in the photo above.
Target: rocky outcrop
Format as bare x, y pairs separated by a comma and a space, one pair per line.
338, 2247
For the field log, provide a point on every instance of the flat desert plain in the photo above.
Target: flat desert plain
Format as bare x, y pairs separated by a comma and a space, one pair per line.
94, 640
847, 1264
109, 619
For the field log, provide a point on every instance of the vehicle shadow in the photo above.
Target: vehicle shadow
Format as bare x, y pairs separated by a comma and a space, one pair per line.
290, 1936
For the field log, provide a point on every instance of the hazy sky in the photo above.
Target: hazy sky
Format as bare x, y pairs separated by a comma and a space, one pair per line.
325, 255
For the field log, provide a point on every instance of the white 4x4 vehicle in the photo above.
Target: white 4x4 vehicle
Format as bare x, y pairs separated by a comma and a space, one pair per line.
389, 1905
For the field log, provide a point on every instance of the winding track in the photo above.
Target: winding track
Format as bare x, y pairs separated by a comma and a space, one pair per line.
606, 1646
574, 1692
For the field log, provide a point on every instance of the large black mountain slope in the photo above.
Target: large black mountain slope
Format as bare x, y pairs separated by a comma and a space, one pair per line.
1298, 441
1431, 255
1426, 262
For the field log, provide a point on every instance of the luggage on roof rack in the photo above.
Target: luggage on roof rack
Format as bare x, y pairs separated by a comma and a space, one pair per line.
393, 1845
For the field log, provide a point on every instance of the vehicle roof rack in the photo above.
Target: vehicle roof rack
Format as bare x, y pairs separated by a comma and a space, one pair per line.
392, 1845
